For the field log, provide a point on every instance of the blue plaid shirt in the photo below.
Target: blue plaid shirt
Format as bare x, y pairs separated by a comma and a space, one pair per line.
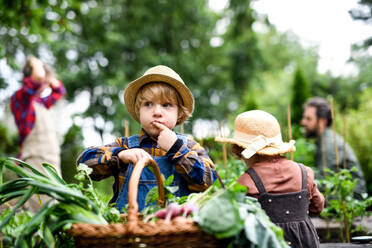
190, 160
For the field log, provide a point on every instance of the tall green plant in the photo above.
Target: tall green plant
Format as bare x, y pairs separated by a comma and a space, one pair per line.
341, 206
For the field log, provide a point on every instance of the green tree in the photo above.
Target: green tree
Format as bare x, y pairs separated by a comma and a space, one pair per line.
116, 41
358, 134
363, 12
300, 93
273, 86
26, 25
245, 59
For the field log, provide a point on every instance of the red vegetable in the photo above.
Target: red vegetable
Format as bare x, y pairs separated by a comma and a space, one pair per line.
161, 214
188, 209
173, 211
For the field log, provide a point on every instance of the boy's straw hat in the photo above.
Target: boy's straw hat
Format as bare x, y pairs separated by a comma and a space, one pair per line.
258, 132
158, 73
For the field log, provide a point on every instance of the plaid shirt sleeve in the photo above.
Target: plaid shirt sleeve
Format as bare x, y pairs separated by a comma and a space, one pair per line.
57, 93
22, 108
103, 159
193, 163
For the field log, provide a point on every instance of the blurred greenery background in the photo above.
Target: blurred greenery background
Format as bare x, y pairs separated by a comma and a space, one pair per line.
98, 46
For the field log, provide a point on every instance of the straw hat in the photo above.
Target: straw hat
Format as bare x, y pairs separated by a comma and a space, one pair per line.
158, 73
258, 132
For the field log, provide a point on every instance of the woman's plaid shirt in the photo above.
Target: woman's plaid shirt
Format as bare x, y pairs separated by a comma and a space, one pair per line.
21, 104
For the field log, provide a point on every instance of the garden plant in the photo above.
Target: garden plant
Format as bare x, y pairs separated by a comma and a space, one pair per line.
341, 206
223, 211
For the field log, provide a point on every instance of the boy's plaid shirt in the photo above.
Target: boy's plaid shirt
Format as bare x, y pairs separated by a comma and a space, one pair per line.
21, 105
190, 160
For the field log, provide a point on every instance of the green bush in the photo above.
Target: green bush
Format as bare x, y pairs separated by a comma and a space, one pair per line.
340, 205
359, 134
304, 152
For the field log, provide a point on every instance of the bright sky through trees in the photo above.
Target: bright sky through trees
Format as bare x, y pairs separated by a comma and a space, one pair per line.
325, 24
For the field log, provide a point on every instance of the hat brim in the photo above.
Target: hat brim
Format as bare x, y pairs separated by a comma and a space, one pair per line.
131, 91
268, 150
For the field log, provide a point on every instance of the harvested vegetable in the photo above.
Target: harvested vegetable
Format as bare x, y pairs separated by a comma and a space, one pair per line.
173, 210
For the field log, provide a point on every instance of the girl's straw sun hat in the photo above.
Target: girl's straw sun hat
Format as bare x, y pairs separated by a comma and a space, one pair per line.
258, 132
158, 73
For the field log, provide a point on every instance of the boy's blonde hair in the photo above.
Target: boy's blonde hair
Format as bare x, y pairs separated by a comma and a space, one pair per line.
160, 91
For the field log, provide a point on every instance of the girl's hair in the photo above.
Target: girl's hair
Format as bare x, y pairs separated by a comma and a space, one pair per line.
27, 68
160, 91
237, 150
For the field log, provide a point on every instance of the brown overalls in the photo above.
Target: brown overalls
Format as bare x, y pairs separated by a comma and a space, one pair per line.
290, 212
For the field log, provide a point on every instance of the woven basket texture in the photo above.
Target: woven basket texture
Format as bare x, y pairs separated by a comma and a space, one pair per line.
178, 232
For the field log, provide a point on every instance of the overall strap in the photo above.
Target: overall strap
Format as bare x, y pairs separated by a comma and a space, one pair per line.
257, 180
304, 176
133, 141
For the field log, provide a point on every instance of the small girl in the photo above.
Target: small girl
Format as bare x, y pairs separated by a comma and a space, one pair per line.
284, 188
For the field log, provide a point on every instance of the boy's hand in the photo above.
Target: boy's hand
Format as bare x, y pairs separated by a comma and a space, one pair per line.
132, 155
166, 137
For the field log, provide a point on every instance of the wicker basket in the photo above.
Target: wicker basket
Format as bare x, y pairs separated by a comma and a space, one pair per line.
179, 232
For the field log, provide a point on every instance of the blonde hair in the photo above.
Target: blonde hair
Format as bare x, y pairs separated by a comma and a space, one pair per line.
160, 91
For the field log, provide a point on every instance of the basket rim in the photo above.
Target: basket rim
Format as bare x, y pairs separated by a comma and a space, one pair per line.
135, 226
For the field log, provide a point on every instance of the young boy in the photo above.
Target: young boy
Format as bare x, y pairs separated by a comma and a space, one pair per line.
159, 100
284, 188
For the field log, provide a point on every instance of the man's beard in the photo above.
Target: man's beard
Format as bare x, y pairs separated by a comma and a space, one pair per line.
311, 133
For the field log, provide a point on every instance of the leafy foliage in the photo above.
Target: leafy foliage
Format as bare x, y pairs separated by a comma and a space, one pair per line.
70, 203
305, 152
358, 123
120, 38
8, 146
15, 226
73, 146
341, 206
300, 93
27, 23
363, 13
228, 213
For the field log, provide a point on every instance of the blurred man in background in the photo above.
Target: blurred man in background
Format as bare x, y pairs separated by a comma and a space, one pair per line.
317, 120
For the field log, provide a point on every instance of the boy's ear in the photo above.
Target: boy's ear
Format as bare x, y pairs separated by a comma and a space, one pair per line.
180, 117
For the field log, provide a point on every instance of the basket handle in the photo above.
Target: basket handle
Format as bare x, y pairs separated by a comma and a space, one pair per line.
133, 187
